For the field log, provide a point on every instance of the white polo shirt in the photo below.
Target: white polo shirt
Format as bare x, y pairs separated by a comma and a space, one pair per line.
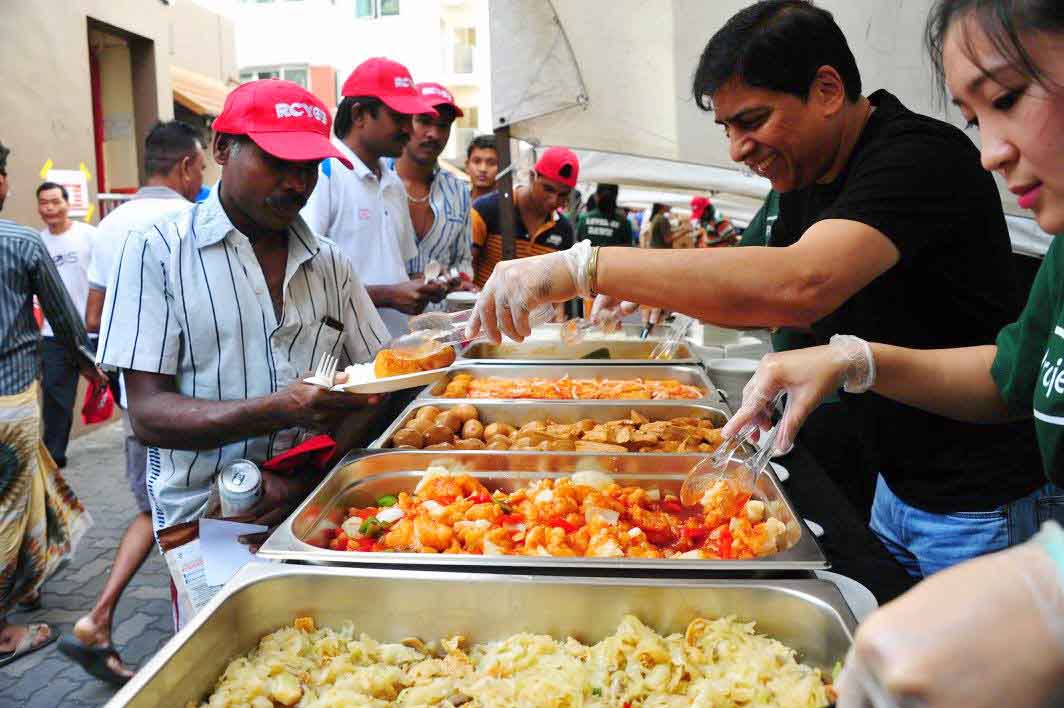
368, 218
148, 205
188, 298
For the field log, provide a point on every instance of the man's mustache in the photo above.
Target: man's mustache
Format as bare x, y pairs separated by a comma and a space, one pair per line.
287, 202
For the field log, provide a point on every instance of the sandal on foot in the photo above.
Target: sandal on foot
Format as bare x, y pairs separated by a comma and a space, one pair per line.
93, 660
26, 645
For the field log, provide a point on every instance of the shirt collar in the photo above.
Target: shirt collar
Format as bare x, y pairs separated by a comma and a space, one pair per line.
156, 192
211, 224
388, 177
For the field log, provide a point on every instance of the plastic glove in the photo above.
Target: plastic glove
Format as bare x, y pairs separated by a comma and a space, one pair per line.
610, 309
808, 376
988, 632
517, 287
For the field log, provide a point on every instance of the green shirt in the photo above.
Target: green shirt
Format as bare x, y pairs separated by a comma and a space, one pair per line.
594, 226
1029, 367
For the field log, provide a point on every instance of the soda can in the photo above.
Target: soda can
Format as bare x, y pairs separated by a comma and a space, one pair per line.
239, 487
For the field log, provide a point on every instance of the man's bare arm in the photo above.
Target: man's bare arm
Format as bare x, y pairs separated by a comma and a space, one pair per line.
162, 417
793, 286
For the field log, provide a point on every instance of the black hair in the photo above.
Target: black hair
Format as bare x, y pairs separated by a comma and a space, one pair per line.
232, 141
608, 186
481, 142
44, 186
656, 209
167, 144
4, 152
345, 112
777, 45
1004, 22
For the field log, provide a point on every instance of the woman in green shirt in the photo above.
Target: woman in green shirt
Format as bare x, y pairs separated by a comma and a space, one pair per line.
988, 632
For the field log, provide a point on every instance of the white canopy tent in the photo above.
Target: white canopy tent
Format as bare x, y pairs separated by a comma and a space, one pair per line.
612, 80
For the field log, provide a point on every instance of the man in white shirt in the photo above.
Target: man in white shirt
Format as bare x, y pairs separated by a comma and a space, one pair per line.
70, 244
173, 165
365, 209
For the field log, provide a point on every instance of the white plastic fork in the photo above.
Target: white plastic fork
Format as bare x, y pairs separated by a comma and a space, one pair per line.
666, 348
325, 374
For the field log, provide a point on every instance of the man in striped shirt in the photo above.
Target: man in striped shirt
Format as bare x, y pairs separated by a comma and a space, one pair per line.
439, 202
41, 519
214, 314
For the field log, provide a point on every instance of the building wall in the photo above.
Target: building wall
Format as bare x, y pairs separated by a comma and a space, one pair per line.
47, 100
328, 33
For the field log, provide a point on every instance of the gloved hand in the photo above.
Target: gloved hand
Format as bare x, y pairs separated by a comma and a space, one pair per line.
988, 632
517, 287
808, 376
610, 309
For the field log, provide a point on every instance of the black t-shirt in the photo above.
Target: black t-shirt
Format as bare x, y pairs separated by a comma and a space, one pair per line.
919, 182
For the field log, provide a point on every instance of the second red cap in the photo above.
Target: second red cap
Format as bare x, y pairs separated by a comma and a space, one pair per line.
389, 81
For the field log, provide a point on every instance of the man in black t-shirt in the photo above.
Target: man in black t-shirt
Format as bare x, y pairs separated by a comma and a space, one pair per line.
889, 229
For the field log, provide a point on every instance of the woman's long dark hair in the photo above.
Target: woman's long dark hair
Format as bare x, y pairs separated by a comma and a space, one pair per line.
1004, 22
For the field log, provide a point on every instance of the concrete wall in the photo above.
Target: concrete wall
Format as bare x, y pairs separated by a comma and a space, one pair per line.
46, 99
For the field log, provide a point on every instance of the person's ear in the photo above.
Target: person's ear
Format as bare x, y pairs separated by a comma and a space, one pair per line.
828, 90
220, 148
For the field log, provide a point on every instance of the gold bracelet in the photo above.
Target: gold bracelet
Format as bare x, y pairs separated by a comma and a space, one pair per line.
592, 271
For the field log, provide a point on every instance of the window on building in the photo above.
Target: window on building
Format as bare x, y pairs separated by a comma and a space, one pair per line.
469, 119
465, 43
297, 74
370, 9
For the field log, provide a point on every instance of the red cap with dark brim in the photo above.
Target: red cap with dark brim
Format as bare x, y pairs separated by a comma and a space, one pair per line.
282, 118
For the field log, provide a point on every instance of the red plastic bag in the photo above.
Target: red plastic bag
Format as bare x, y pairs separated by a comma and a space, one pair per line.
99, 404
314, 452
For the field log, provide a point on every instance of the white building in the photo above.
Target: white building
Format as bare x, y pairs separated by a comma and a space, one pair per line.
317, 43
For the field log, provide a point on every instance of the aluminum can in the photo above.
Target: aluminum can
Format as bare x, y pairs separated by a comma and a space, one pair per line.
239, 487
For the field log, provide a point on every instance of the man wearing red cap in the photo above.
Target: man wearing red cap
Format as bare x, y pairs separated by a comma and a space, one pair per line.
439, 203
538, 227
364, 210
216, 312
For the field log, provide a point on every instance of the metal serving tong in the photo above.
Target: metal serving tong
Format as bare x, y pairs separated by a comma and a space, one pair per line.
715, 467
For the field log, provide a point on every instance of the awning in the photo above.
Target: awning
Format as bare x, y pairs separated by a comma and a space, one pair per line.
200, 94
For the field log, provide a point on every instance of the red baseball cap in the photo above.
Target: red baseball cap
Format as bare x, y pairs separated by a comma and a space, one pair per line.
390, 82
282, 117
559, 165
438, 95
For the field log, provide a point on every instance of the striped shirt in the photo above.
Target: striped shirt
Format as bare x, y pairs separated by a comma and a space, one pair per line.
555, 234
449, 241
27, 269
188, 298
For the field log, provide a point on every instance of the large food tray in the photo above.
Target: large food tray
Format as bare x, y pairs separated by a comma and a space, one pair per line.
538, 351
685, 374
364, 476
810, 616
517, 413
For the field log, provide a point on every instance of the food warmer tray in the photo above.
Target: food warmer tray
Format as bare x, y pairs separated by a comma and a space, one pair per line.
685, 374
539, 351
365, 475
517, 413
810, 616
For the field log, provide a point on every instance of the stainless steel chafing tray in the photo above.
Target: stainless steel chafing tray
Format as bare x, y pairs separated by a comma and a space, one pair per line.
362, 477
690, 375
538, 351
809, 616
517, 413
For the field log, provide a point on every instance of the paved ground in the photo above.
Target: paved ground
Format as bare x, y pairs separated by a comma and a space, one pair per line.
46, 679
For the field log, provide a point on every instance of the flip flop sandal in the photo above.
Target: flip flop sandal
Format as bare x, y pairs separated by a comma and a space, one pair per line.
25, 646
93, 660
31, 606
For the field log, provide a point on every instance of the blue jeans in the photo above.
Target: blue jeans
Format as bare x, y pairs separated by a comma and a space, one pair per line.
925, 543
